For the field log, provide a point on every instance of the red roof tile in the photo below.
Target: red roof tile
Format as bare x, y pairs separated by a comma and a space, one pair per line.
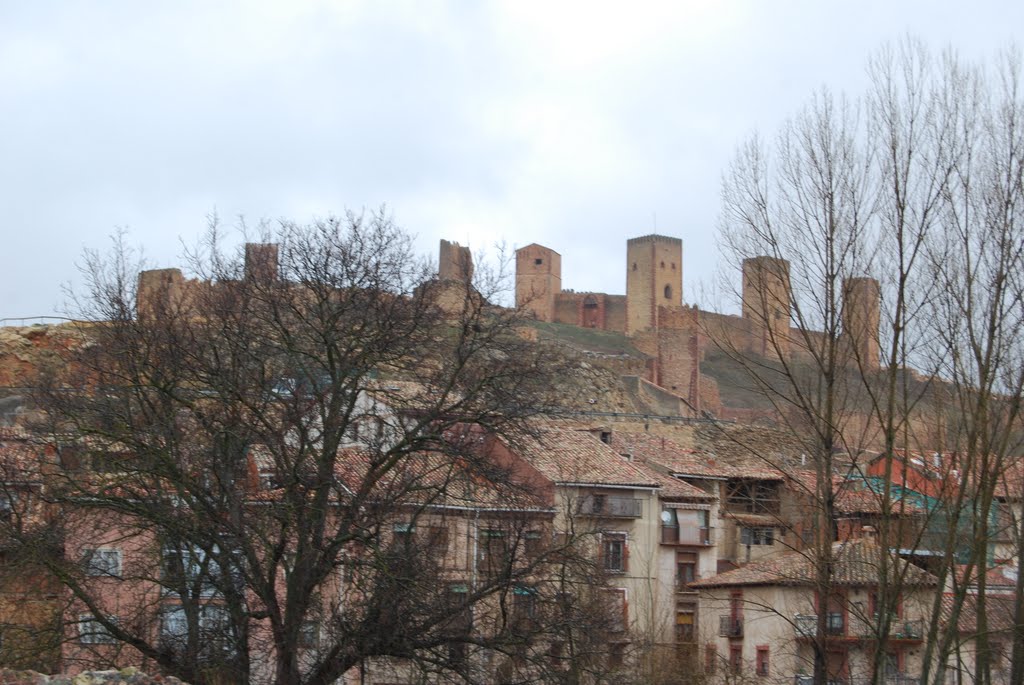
855, 562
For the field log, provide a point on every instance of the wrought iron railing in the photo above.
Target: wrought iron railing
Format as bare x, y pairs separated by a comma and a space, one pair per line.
730, 626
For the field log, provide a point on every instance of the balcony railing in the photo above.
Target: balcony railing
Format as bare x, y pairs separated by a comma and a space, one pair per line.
899, 628
809, 680
896, 679
730, 626
907, 629
806, 625
673, 535
611, 506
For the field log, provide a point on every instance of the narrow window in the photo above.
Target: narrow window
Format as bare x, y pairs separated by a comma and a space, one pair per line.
710, 658
736, 658
613, 548
668, 292
762, 660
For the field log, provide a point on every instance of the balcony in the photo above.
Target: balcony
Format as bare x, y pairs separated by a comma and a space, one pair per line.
806, 625
611, 506
672, 535
899, 628
906, 629
730, 626
809, 680
891, 679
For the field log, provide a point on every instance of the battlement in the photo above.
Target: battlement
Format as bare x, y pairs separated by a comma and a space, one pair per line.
655, 238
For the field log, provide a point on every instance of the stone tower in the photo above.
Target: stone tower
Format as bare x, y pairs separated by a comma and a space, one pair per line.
159, 292
455, 263
261, 262
538, 280
766, 304
861, 317
654, 277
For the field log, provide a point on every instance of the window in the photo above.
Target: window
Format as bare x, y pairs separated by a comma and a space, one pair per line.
493, 553
92, 632
710, 658
212, 621
309, 635
188, 568
8, 500
762, 660
524, 607
618, 610
892, 664
437, 540
686, 568
101, 561
538, 261
614, 552
757, 536
460, 624
668, 291
834, 623
403, 533
533, 544
736, 658
686, 623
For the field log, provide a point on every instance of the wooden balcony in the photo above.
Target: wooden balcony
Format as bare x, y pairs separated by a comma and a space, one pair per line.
611, 506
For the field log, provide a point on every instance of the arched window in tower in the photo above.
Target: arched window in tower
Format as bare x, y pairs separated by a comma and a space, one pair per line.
668, 292
634, 266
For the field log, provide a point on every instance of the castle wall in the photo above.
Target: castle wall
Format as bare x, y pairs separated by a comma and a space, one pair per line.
654, 277
591, 310
615, 313
731, 333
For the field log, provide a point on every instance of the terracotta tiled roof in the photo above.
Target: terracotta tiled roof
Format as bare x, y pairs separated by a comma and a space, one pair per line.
999, 578
754, 519
855, 562
673, 488
572, 456
437, 479
999, 612
677, 459
755, 449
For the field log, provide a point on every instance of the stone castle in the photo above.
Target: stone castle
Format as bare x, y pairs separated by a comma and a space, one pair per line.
672, 335
675, 336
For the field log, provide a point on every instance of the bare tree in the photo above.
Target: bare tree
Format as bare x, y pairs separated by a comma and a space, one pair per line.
272, 472
880, 235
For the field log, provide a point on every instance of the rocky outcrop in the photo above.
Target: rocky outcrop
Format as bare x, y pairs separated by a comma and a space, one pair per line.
126, 676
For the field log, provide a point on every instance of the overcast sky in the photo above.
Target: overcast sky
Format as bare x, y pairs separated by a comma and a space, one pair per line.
575, 125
